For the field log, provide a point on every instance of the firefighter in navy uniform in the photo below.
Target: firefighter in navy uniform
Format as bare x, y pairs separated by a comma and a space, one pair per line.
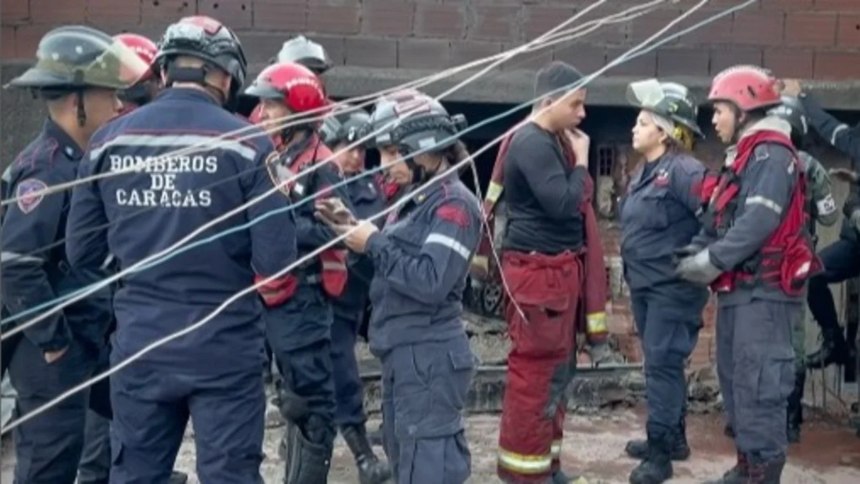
841, 259
339, 131
755, 252
299, 331
823, 210
212, 374
420, 259
659, 214
78, 72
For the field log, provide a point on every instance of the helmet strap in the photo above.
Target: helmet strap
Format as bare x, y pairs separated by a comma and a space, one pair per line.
82, 113
196, 75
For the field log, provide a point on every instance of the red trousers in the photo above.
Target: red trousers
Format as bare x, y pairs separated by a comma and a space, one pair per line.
542, 328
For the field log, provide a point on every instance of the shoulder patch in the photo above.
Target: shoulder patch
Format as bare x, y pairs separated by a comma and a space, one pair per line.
453, 213
30, 193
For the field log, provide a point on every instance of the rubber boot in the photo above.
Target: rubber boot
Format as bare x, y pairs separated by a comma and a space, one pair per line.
638, 449
737, 474
795, 408
657, 467
765, 471
833, 349
370, 469
559, 477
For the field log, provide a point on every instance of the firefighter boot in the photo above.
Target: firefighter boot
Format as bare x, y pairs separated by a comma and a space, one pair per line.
765, 471
657, 467
370, 469
795, 408
737, 474
638, 449
833, 349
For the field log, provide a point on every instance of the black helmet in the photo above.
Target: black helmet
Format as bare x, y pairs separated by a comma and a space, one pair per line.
207, 39
667, 99
791, 110
413, 121
305, 52
77, 57
344, 125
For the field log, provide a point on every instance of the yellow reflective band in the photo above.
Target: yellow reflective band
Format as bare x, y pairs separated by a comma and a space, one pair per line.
524, 464
596, 323
555, 449
494, 191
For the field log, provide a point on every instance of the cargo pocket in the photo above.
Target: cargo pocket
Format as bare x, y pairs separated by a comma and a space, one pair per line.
776, 379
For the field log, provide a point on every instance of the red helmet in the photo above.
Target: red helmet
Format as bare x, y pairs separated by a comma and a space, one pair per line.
297, 86
748, 87
143, 47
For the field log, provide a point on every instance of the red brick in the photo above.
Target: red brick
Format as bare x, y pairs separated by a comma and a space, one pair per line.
758, 28
531, 60
647, 25
58, 13
166, 11
27, 39
723, 58
848, 30
109, 13
790, 63
465, 51
715, 32
384, 17
288, 15
787, 5
682, 61
585, 57
837, 65
806, 29
495, 23
440, 20
336, 19
234, 13
7, 43
630, 346
366, 52
841, 6
703, 353
540, 18
13, 12
644, 65
423, 53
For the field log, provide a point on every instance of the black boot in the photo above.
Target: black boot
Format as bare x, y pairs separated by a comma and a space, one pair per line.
680, 451
765, 471
370, 469
657, 467
308, 457
177, 477
737, 474
833, 349
795, 408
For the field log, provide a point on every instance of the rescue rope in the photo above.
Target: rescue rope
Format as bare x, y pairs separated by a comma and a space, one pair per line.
453, 169
173, 250
356, 103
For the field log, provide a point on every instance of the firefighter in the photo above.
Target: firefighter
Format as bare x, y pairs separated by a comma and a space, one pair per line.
306, 52
543, 258
299, 331
420, 262
659, 214
149, 85
840, 259
822, 209
211, 375
755, 252
340, 131
78, 72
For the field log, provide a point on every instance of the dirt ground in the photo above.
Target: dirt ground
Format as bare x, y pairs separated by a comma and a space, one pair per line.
593, 446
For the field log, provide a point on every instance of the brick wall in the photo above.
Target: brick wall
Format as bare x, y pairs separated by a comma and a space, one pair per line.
803, 38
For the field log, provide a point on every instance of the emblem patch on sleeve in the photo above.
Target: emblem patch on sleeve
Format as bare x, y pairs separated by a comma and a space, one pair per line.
30, 194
